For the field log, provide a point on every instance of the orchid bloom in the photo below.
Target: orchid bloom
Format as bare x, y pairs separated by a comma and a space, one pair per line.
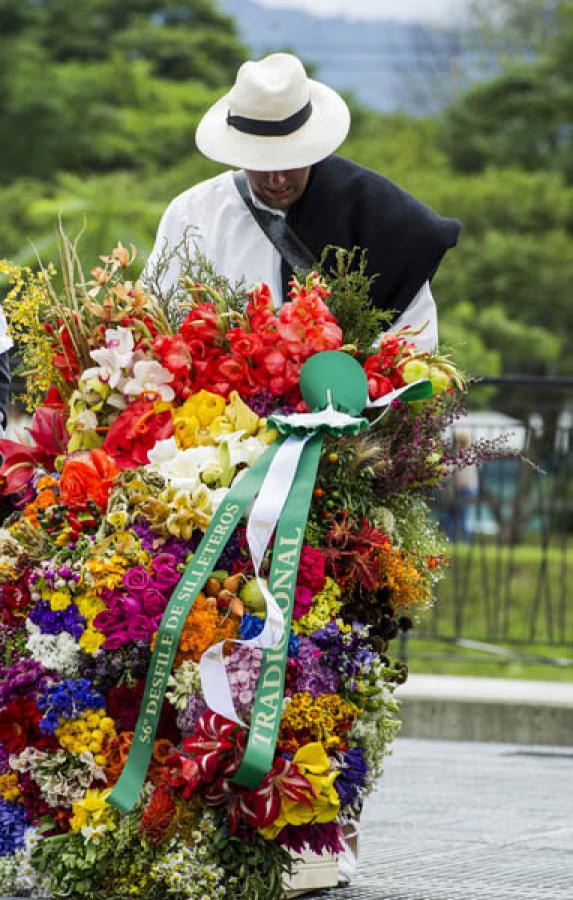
113, 358
151, 380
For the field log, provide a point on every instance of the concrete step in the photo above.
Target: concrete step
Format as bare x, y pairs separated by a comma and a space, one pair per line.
463, 708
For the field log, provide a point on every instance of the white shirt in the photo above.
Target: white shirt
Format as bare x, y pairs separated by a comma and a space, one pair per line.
214, 217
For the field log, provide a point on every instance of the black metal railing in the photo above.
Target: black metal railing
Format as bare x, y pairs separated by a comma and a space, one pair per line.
509, 592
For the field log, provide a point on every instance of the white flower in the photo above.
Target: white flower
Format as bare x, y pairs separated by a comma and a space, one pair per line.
58, 652
150, 377
85, 421
181, 468
113, 358
5, 340
243, 450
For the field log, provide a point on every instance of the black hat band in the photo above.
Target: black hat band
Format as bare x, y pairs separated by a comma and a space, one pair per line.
268, 128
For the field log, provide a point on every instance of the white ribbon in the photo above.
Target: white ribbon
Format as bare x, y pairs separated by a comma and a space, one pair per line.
261, 525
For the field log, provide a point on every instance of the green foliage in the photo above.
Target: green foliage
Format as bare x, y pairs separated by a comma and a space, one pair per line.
360, 321
258, 867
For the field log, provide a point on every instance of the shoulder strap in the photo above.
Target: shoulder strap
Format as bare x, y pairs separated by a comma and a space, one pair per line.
278, 231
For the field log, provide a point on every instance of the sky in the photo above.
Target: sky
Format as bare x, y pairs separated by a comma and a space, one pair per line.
443, 11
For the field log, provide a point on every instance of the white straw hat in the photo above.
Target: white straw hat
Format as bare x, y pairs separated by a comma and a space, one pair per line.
274, 118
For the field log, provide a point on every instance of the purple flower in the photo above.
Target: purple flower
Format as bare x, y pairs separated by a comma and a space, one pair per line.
21, 680
188, 718
116, 640
139, 628
318, 837
4, 760
154, 602
136, 579
309, 671
352, 777
50, 622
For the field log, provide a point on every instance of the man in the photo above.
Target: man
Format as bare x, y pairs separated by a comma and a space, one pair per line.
282, 129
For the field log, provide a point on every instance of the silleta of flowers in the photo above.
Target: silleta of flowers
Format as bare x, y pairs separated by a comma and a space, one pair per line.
148, 409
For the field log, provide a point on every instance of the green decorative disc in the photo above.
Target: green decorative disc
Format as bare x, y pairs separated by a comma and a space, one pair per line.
336, 376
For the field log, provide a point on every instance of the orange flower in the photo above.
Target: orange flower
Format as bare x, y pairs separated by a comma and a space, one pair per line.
204, 627
87, 476
45, 498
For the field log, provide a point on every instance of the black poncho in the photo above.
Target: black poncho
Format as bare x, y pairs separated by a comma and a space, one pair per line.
349, 206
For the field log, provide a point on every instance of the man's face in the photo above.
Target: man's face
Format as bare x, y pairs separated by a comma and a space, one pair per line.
279, 189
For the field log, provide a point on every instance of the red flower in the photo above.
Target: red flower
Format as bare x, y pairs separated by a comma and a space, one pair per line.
215, 749
174, 354
19, 727
157, 815
202, 324
261, 806
48, 431
311, 569
65, 358
136, 431
14, 600
307, 325
244, 344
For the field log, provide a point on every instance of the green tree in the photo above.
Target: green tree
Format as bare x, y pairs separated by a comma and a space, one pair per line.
523, 116
180, 38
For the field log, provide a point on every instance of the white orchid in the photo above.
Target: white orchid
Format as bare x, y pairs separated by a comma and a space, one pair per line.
113, 358
150, 377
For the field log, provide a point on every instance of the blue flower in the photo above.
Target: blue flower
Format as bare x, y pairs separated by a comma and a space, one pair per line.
67, 700
13, 824
293, 644
251, 626
352, 777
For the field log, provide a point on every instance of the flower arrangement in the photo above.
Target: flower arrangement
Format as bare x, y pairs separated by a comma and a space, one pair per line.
147, 417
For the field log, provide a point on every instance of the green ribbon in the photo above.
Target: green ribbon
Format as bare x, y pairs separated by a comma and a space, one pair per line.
126, 791
289, 537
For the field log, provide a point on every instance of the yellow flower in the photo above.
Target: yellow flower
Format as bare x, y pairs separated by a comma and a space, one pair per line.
91, 640
92, 815
186, 428
205, 406
89, 606
312, 762
59, 600
9, 789
241, 416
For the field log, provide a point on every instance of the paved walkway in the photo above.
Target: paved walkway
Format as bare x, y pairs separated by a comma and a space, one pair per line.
462, 821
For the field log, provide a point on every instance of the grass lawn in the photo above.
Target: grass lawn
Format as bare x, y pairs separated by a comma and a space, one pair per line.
520, 598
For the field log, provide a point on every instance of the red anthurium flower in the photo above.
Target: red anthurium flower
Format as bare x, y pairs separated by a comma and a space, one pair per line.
135, 431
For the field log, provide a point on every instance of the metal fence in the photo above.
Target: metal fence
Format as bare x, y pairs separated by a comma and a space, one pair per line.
509, 592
